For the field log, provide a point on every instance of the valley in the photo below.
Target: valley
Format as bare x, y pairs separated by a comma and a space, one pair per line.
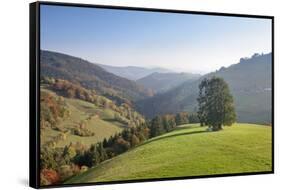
128, 95
249, 81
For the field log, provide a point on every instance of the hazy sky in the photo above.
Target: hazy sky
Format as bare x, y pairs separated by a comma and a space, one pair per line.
180, 42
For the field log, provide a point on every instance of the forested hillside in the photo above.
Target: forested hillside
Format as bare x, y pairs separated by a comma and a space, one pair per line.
90, 76
249, 82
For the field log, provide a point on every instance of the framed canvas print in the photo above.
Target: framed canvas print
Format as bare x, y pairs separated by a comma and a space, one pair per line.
123, 94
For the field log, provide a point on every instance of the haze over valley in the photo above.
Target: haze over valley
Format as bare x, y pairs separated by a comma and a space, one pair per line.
160, 91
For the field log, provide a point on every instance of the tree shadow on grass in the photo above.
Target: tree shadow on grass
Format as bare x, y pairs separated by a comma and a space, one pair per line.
175, 135
185, 127
109, 120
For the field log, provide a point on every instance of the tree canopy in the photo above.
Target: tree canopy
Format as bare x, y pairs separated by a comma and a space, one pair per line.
216, 104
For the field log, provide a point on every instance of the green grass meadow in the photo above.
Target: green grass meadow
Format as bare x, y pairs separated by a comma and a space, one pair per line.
190, 150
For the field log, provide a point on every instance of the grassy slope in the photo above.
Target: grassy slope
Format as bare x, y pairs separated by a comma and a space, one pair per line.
103, 125
190, 151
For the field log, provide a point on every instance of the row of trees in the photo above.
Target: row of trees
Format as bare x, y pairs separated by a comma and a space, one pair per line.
58, 164
155, 127
113, 146
128, 138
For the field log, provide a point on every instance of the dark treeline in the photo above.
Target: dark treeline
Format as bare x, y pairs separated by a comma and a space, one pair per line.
128, 138
59, 164
115, 145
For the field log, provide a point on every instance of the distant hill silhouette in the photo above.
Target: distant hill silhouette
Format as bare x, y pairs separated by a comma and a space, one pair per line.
162, 82
132, 72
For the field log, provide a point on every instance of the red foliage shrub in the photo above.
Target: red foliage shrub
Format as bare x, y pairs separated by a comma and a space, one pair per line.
51, 175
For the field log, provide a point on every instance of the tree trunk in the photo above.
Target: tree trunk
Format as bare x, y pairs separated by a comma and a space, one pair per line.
219, 127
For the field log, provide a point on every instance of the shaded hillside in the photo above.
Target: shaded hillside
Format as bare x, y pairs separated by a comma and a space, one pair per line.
132, 72
162, 82
249, 81
89, 75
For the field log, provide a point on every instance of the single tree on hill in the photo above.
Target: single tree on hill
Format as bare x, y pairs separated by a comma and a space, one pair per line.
216, 105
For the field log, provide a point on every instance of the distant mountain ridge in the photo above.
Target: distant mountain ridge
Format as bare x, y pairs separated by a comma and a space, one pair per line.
132, 72
89, 75
162, 82
249, 82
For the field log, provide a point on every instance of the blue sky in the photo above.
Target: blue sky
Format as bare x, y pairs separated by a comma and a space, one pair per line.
180, 42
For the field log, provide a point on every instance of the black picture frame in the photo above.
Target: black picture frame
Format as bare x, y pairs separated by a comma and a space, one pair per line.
34, 90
